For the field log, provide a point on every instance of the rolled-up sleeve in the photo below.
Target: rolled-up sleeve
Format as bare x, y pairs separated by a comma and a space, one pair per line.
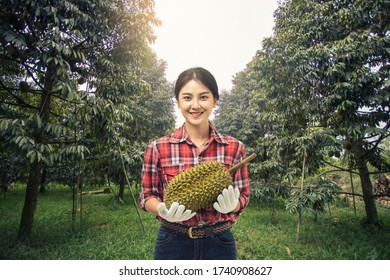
241, 180
151, 185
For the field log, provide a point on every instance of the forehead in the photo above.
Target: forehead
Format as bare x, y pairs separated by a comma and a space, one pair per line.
194, 87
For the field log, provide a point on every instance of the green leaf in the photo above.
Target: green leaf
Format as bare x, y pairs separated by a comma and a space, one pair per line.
4, 123
38, 120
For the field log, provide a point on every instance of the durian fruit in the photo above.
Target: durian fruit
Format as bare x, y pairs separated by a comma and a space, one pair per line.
199, 186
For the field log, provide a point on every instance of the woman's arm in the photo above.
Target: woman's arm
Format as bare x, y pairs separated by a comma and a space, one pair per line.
151, 205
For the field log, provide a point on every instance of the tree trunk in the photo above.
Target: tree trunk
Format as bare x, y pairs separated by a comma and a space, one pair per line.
369, 201
42, 187
32, 190
33, 184
30, 202
122, 186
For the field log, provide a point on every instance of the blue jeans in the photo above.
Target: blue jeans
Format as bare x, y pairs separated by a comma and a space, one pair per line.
171, 245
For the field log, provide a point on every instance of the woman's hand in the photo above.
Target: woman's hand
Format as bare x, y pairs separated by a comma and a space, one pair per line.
174, 214
227, 201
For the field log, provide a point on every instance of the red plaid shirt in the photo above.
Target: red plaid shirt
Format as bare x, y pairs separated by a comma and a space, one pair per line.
173, 153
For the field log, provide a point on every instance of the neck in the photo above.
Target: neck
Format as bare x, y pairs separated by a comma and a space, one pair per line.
198, 133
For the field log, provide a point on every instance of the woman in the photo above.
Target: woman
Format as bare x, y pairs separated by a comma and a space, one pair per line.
206, 233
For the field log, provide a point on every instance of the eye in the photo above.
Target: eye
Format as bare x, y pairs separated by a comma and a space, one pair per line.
204, 97
186, 97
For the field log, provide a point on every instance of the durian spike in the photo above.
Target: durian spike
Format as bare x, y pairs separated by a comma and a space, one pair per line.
241, 163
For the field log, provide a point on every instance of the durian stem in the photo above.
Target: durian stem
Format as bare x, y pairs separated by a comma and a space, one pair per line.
241, 163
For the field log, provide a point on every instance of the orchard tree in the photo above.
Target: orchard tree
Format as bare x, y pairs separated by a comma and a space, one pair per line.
151, 115
325, 73
65, 65
234, 116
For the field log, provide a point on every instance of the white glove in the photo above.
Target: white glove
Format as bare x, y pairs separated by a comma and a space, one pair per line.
227, 200
174, 214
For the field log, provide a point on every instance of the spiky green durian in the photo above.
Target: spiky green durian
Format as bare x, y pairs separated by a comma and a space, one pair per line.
199, 186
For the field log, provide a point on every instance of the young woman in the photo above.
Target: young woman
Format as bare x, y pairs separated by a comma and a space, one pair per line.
184, 234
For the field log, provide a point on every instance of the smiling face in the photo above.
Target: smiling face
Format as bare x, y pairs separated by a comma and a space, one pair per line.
196, 103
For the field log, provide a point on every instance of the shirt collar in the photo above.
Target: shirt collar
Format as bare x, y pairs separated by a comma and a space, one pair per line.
181, 135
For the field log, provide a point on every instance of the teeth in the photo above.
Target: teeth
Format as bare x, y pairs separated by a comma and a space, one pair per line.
196, 115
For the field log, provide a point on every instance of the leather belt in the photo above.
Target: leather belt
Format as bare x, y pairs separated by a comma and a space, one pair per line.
198, 231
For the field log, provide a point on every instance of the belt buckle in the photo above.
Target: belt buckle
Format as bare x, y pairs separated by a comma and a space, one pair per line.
191, 235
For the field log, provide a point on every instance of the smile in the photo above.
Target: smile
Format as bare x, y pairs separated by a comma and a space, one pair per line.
196, 114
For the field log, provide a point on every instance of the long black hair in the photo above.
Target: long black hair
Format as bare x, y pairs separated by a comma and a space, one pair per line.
200, 74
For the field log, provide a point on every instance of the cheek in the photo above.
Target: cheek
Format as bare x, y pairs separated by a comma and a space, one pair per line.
182, 105
213, 104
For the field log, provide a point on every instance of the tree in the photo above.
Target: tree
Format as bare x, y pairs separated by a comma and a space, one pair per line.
152, 115
48, 51
233, 115
325, 76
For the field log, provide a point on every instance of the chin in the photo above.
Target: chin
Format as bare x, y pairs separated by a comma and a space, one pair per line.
196, 122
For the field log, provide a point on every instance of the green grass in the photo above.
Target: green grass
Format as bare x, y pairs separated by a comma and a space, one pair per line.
339, 236
110, 230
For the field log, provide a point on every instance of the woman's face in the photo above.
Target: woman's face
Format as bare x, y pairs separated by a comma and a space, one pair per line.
196, 102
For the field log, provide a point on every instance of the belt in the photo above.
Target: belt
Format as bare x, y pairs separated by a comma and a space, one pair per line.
198, 231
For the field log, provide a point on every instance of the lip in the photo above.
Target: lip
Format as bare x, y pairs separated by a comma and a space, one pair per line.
196, 114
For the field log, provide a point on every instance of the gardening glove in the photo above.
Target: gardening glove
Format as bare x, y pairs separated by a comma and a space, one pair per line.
227, 200
174, 214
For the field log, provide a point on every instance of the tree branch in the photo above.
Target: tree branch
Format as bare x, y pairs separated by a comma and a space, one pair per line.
379, 172
380, 195
355, 194
19, 100
19, 105
335, 170
340, 168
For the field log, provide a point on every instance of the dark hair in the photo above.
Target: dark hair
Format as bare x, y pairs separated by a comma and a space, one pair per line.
200, 74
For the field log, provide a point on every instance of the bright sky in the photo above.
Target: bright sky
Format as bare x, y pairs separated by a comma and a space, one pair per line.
219, 35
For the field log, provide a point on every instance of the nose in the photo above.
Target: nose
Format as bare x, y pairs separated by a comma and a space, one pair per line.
195, 104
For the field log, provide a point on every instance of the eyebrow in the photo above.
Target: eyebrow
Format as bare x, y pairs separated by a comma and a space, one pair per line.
202, 93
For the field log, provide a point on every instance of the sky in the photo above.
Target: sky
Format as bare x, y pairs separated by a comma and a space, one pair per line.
219, 35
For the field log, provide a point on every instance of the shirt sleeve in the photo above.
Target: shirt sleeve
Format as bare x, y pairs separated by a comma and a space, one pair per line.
151, 185
241, 180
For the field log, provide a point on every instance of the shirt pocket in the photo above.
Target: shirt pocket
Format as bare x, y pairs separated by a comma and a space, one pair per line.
228, 162
170, 171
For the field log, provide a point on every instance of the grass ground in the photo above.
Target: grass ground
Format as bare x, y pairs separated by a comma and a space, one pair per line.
110, 230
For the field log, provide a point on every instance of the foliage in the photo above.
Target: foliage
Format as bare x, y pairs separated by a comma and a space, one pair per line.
71, 84
313, 198
232, 115
109, 231
320, 88
267, 191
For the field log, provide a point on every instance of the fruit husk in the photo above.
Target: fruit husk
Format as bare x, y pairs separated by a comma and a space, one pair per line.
198, 187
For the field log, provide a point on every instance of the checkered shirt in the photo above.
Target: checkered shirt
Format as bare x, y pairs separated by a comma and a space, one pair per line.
173, 153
